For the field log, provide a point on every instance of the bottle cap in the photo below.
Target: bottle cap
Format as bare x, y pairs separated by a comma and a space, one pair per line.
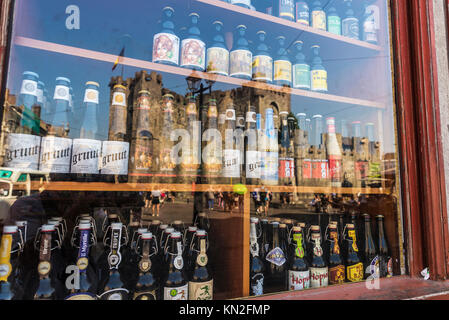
264, 220
193, 229
30, 73
21, 223
202, 214
217, 22
301, 224
176, 235
92, 83
63, 79
275, 223
147, 236
261, 32
317, 116
380, 216
283, 112
85, 215
56, 219
177, 222
168, 95
53, 222
134, 224
350, 226
119, 86
142, 230
296, 229
84, 226
48, 228
254, 220
277, 219
84, 221
154, 222
280, 37
201, 233
194, 14
169, 230
9, 229
116, 225
298, 42
112, 216
282, 225
144, 91
301, 114
163, 226
168, 8
315, 228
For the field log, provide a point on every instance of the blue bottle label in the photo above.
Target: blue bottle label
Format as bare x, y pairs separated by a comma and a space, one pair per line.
241, 63
166, 48
302, 13
262, 68
287, 9
193, 53
350, 28
218, 61
282, 70
301, 76
334, 25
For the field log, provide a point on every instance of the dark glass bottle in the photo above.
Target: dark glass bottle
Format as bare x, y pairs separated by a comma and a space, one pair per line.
319, 271
264, 238
370, 257
385, 260
201, 282
276, 256
202, 222
336, 265
10, 248
147, 286
298, 273
354, 265
175, 286
256, 263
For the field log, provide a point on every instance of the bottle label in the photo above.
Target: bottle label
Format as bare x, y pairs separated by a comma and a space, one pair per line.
56, 154
29, 87
115, 294
91, 96
335, 167
142, 158
374, 266
319, 19
319, 277
286, 168
241, 63
302, 13
287, 9
298, 280
83, 252
307, 169
231, 163
119, 99
257, 284
143, 103
119, 115
369, 30
5, 257
354, 273
276, 256
22, 151
201, 290
301, 76
114, 157
146, 295
334, 25
253, 164
179, 293
40, 96
166, 48
85, 156
270, 167
350, 28
61, 93
262, 68
320, 169
246, 3
218, 61
337, 274
319, 80
81, 296
282, 70
193, 53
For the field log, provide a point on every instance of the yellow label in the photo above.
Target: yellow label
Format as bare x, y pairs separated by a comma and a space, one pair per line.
282, 70
319, 80
201, 290
5, 257
319, 20
355, 272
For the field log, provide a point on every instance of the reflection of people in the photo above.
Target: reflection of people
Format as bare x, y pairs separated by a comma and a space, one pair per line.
155, 201
210, 199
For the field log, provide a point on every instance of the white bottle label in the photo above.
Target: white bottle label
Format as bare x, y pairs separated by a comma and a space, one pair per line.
86, 156
231, 163
262, 68
61, 93
319, 277
114, 157
119, 99
193, 53
298, 280
91, 96
179, 293
40, 96
218, 61
22, 151
166, 48
29, 87
56, 154
245, 2
241, 63
253, 164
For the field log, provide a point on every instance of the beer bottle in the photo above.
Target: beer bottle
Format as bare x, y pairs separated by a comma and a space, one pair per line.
154, 227
276, 256
175, 286
285, 9
336, 266
193, 49
252, 155
302, 12
318, 15
201, 283
301, 74
28, 99
83, 239
188, 237
10, 249
166, 42
334, 154
264, 238
354, 265
178, 225
112, 287
164, 241
385, 260
318, 72
282, 64
256, 263
241, 57
370, 23
167, 165
61, 100
350, 24
231, 153
147, 286
370, 257
89, 128
298, 272
333, 19
270, 155
319, 271
217, 53
202, 221
212, 143
190, 157
131, 258
118, 113
262, 61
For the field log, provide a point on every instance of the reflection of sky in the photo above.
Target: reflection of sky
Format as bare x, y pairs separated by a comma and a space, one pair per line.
104, 24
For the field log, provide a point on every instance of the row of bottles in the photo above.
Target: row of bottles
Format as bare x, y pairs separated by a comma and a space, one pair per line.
240, 62
290, 256
336, 16
168, 262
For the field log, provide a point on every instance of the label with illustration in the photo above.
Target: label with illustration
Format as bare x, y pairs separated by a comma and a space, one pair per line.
29, 87
201, 290
301, 76
55, 154
319, 80
319, 19
334, 25
276, 256
61, 93
354, 273
178, 293
22, 151
119, 99
257, 284
218, 61
319, 277
166, 48
298, 280
337, 275
302, 13
241, 63
350, 28
114, 157
282, 70
262, 68
91, 96
193, 53
253, 164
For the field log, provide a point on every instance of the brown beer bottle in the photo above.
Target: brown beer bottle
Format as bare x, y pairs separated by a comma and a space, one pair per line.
298, 273
147, 286
276, 256
201, 283
385, 260
370, 258
319, 271
336, 266
354, 265
256, 263
175, 286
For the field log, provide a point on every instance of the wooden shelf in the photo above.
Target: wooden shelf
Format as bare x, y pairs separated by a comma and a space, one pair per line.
136, 187
105, 57
289, 24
